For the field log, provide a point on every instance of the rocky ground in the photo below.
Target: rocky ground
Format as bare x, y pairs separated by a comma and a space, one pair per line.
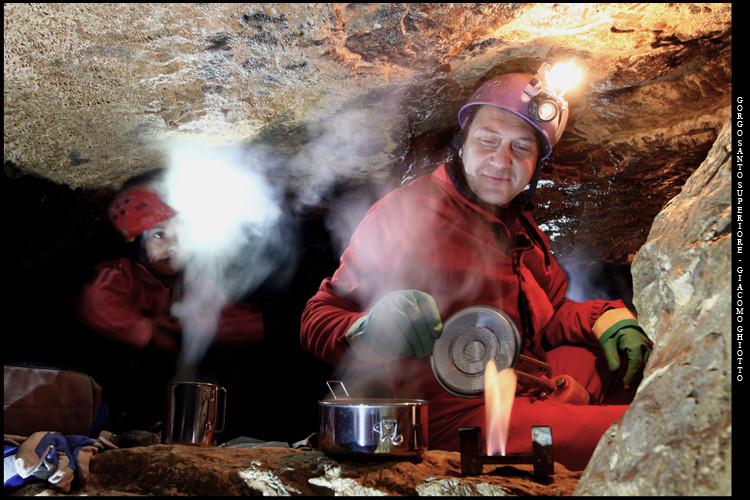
183, 470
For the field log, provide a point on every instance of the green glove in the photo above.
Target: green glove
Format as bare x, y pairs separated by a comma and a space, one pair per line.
628, 337
401, 324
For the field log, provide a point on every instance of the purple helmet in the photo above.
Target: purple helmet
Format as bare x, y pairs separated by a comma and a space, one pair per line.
526, 96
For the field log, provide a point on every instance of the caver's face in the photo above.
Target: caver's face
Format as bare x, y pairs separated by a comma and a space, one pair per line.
162, 249
499, 154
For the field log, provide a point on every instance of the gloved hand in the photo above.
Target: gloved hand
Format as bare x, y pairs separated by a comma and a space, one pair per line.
631, 340
401, 324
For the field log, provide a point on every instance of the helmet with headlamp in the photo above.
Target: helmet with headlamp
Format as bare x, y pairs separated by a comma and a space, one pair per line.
532, 97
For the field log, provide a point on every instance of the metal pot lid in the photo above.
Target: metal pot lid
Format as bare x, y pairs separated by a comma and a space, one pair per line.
470, 339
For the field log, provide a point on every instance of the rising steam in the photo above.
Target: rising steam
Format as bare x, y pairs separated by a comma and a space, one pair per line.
233, 233
338, 147
230, 236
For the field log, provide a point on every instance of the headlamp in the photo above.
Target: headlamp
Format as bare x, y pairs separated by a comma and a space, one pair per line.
547, 102
544, 107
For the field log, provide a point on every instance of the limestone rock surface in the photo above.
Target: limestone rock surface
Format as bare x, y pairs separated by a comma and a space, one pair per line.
356, 93
336, 97
683, 295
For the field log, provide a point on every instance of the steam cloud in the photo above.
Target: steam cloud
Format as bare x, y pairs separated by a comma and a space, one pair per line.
232, 222
230, 235
334, 154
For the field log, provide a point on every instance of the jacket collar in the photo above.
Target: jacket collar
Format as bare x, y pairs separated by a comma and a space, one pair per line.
156, 279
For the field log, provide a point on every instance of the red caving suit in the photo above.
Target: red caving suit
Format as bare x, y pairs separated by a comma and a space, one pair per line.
427, 236
133, 341
124, 299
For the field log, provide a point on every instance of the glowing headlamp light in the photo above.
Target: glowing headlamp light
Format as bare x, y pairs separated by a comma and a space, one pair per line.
544, 107
547, 89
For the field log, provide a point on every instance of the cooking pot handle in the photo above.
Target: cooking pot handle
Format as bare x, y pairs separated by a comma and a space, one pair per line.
338, 389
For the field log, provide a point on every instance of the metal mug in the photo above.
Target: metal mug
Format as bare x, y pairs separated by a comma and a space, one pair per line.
195, 413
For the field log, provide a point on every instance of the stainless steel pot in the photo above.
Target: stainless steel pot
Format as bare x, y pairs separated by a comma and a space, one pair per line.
373, 427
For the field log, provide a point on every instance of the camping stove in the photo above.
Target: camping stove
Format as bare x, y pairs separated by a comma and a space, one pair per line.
472, 460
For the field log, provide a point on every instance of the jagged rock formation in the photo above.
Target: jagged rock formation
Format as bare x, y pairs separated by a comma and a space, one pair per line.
338, 98
684, 298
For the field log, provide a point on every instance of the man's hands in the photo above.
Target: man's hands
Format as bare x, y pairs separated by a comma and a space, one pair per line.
633, 342
401, 324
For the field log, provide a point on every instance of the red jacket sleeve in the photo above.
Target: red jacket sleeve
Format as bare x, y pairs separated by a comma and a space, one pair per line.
364, 275
571, 322
105, 305
325, 320
123, 302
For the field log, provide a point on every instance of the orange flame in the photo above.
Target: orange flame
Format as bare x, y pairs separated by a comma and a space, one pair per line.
499, 393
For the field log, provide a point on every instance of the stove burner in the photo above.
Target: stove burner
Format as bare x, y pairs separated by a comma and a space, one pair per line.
472, 460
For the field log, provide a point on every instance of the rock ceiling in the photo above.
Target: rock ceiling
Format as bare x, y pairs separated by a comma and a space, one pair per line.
96, 93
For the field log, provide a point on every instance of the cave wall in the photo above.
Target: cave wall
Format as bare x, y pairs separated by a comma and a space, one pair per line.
676, 436
94, 92
357, 94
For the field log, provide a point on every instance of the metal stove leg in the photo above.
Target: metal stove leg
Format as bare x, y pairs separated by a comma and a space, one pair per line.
471, 446
541, 441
